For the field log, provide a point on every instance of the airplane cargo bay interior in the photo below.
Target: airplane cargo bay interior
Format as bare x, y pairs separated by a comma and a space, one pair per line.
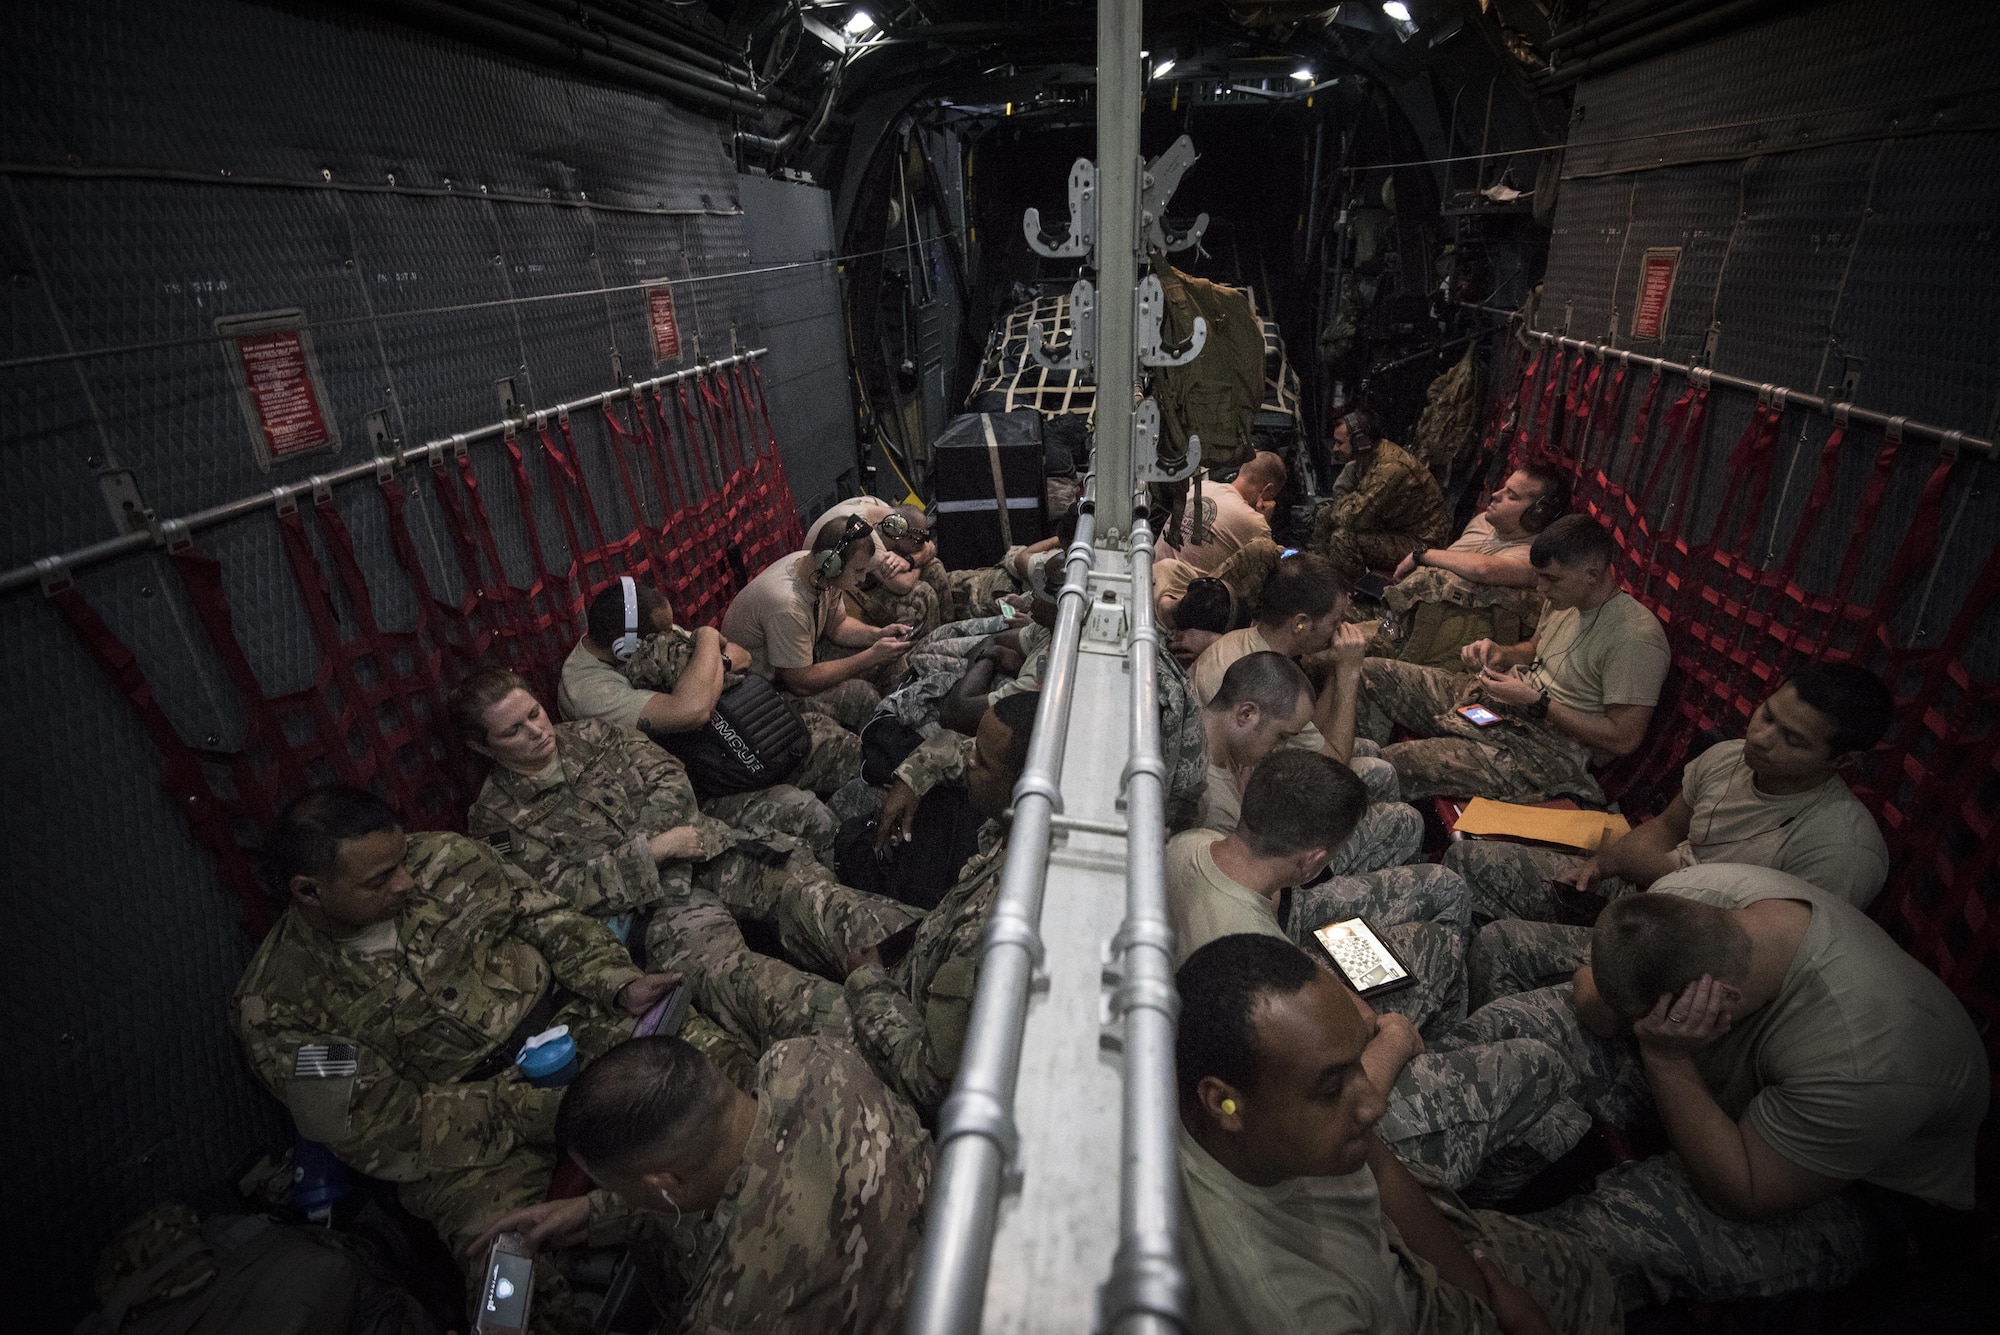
1165, 666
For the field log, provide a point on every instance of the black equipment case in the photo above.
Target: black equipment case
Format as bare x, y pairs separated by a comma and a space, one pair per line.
979, 461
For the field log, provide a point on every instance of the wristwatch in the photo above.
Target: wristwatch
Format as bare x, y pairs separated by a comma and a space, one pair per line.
1417, 552
1539, 709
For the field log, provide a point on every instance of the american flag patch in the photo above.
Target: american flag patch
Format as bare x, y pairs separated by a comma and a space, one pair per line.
501, 840
320, 1061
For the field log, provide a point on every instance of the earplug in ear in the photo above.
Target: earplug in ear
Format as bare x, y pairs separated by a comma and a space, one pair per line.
1229, 1107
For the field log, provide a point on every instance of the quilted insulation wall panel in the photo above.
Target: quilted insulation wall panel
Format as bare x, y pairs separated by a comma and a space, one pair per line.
1832, 184
443, 219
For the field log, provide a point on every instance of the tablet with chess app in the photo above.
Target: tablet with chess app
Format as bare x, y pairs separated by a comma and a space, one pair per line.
1363, 958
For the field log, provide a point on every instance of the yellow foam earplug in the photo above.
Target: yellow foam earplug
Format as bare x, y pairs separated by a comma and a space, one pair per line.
1229, 1107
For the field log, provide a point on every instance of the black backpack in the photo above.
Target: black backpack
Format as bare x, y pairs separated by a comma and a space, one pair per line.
754, 739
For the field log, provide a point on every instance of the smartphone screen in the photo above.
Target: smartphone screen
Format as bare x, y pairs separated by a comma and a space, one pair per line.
503, 1301
1479, 714
1360, 954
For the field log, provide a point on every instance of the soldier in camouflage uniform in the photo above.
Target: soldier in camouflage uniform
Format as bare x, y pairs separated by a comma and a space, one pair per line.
783, 808
1385, 503
609, 821
910, 1013
386, 1007
797, 1208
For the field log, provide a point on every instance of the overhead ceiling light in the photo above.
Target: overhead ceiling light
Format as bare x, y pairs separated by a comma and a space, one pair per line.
1160, 69
860, 22
1397, 10
1303, 74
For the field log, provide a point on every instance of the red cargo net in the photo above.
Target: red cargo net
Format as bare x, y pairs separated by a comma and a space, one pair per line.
374, 714
1738, 619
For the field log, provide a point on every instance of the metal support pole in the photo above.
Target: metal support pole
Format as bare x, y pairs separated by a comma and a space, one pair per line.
1147, 1292
174, 530
976, 1133
1957, 442
1118, 36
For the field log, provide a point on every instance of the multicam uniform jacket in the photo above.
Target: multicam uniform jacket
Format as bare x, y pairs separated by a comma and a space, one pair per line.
583, 832
820, 1230
370, 1052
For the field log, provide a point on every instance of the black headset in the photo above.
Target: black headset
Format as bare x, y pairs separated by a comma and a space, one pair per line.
829, 563
627, 644
1362, 431
1546, 508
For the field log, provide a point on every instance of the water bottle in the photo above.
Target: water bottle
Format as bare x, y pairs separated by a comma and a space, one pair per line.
319, 1180
549, 1059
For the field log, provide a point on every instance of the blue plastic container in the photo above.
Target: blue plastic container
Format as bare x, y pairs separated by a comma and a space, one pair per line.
551, 1065
319, 1180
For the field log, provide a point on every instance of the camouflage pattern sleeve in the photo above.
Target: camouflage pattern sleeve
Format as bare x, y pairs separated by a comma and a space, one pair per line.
348, 1095
942, 758
620, 874
822, 1226
661, 660
669, 801
890, 1030
584, 954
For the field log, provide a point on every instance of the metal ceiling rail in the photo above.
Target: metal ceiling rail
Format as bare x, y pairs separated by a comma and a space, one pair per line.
976, 1136
1780, 397
173, 533
1147, 1292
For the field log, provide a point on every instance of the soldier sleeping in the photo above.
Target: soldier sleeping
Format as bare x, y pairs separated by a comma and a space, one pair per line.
608, 821
387, 1006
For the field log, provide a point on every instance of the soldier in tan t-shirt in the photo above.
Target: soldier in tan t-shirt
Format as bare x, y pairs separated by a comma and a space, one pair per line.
782, 613
1579, 693
1482, 587
1775, 799
1297, 1213
1789, 1047
1232, 514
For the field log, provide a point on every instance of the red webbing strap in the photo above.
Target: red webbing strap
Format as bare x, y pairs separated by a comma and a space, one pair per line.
697, 450
557, 466
434, 616
576, 475
1755, 457
340, 732
1677, 434
519, 622
480, 614
1642, 430
1538, 439
1499, 415
670, 504
1604, 418
721, 423
547, 582
683, 545
701, 561
1864, 520
1564, 444
621, 444
785, 510
1519, 411
1897, 758
201, 577
1919, 545
1816, 503
181, 771
1661, 549
1577, 428
437, 805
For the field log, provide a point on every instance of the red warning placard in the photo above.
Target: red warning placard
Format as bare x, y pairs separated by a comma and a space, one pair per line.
1656, 289
278, 379
666, 330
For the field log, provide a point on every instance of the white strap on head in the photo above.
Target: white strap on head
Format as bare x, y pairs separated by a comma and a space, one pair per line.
627, 644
